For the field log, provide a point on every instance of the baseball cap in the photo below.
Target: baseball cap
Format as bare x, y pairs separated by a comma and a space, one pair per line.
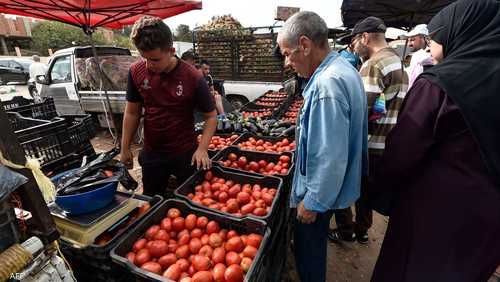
369, 24
420, 29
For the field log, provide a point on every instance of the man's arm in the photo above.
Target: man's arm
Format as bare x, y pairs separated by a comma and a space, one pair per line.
131, 120
204, 102
200, 157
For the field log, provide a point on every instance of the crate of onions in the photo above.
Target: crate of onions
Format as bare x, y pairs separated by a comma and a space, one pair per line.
178, 242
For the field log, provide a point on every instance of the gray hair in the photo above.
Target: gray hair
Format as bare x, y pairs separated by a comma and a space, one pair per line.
36, 58
307, 24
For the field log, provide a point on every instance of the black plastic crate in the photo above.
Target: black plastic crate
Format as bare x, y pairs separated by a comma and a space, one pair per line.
245, 136
45, 110
264, 181
70, 161
15, 102
242, 226
81, 128
256, 157
98, 256
43, 140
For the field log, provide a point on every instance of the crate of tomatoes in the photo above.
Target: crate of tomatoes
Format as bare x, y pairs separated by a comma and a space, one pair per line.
234, 194
219, 142
252, 142
179, 242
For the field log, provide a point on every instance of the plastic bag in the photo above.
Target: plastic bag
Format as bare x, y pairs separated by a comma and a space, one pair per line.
10, 181
104, 169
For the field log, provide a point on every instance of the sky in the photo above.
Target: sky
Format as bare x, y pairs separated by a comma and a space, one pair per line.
256, 12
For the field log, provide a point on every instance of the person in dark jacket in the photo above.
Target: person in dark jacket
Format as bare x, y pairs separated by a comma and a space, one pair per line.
440, 184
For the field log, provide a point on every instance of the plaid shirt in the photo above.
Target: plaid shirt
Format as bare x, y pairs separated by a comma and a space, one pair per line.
382, 73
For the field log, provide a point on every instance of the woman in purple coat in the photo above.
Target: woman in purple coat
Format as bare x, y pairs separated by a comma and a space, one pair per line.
440, 178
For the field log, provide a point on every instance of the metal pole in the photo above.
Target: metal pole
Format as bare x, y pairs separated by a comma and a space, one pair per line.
108, 102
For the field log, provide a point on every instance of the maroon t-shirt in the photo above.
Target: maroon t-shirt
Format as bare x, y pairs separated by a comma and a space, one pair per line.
169, 100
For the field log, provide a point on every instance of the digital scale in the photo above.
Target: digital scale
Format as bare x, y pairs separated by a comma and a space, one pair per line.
81, 230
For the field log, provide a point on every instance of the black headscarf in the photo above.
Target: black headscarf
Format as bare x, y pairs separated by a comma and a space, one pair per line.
469, 31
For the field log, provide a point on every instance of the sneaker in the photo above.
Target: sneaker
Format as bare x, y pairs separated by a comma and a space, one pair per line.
336, 236
362, 238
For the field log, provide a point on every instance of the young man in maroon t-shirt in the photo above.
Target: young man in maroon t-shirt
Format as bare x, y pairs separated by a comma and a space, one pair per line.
169, 90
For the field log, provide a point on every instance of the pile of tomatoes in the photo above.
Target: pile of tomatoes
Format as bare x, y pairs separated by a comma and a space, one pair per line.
257, 114
267, 104
261, 145
194, 249
293, 111
227, 196
219, 143
261, 166
276, 95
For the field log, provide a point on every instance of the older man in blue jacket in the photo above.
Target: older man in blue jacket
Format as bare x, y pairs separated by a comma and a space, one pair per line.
331, 138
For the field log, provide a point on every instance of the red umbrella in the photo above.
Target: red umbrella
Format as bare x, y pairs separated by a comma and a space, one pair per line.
89, 14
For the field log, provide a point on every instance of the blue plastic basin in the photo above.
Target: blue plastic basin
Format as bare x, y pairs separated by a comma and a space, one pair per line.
85, 202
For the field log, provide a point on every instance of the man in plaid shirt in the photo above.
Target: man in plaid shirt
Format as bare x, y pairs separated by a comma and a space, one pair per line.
386, 84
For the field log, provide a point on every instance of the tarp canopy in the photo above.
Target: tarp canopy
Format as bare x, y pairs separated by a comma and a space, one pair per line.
403, 14
90, 14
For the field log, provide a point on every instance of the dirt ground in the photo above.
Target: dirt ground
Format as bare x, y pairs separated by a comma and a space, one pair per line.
347, 262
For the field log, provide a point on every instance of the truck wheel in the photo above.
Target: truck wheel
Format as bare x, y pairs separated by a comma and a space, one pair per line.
237, 102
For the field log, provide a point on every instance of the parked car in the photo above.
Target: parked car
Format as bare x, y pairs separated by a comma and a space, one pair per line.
14, 70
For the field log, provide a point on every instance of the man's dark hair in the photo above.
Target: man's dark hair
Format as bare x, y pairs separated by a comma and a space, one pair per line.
150, 33
188, 55
204, 62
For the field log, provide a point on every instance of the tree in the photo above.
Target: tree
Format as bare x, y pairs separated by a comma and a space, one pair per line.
55, 35
183, 33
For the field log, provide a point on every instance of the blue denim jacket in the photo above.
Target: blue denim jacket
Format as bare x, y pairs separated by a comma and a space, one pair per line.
331, 138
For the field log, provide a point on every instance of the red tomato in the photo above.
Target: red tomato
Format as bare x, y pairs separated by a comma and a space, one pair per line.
215, 240
219, 255
246, 263
248, 208
204, 239
167, 260
218, 272
254, 240
158, 248
201, 222
259, 212
196, 233
233, 191
178, 224
232, 205
242, 161
139, 244
173, 272
131, 256
262, 163
152, 267
223, 196
233, 273
232, 157
256, 195
162, 235
212, 227
172, 247
249, 251
182, 252
195, 245
268, 198
234, 244
190, 222
202, 276
201, 263
183, 264
243, 198
285, 159
283, 171
231, 234
184, 239
208, 176
142, 257
232, 258
151, 232
206, 251
166, 224
173, 213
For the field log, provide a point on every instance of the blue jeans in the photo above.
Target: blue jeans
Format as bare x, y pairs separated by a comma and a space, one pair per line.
310, 247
